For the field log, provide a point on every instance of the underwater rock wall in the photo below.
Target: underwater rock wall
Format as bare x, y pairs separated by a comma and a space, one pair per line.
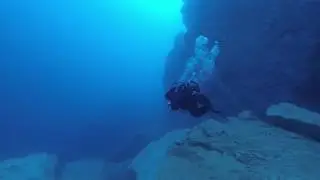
270, 51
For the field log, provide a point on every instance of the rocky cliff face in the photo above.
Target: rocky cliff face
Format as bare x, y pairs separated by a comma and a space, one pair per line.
270, 51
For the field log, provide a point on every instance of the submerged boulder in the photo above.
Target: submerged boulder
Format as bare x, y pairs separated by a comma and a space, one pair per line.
88, 169
291, 111
96, 169
32, 167
295, 119
244, 148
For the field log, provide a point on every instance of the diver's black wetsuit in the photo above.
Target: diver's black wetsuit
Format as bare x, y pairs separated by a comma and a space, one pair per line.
178, 94
187, 96
200, 105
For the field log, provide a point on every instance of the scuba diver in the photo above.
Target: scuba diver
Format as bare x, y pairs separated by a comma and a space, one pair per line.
186, 96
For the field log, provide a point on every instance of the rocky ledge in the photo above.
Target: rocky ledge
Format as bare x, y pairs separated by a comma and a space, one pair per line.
245, 148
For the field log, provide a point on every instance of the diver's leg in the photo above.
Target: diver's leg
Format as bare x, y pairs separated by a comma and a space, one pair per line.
195, 112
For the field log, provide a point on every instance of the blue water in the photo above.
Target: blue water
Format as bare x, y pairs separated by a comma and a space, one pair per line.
82, 78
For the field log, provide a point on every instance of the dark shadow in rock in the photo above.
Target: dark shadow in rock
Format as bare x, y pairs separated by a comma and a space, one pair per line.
128, 174
307, 130
137, 143
184, 153
308, 93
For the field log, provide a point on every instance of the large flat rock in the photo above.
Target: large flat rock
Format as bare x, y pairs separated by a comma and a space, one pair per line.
245, 148
291, 111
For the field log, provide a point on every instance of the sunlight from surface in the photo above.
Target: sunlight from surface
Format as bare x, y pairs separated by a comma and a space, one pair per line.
160, 9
